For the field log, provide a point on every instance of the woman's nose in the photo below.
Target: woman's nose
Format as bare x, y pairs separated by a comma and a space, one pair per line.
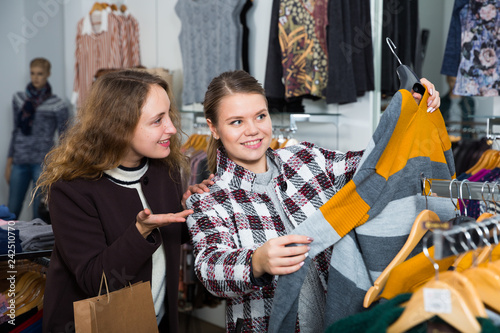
170, 128
251, 129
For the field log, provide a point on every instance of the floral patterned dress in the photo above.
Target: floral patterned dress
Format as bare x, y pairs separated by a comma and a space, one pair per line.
479, 71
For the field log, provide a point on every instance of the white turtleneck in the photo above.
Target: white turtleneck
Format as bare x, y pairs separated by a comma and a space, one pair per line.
130, 177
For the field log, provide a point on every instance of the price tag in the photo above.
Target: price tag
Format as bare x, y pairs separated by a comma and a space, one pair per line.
437, 300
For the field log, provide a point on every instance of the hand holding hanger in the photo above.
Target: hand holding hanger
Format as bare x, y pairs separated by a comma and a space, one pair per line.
411, 82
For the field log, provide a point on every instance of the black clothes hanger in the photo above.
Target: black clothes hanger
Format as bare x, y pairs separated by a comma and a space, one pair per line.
407, 78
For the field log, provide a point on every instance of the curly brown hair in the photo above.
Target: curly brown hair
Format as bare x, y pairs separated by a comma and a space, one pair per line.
104, 127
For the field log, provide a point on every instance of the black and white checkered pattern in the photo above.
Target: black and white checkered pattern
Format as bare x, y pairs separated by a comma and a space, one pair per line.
231, 221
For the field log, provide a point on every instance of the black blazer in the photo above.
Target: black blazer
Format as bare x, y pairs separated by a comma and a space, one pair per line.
94, 229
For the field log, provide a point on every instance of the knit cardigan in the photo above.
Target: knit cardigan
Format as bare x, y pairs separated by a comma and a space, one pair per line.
370, 218
232, 220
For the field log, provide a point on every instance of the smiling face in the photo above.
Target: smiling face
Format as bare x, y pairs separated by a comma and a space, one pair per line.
39, 76
153, 131
245, 129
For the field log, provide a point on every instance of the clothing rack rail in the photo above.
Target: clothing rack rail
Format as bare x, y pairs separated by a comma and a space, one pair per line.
466, 237
464, 189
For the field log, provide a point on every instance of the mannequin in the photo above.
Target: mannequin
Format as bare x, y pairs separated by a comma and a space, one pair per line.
37, 115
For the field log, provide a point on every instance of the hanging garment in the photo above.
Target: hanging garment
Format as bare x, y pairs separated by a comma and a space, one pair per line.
302, 37
245, 63
401, 25
131, 53
369, 219
479, 70
98, 46
210, 42
273, 82
451, 58
350, 51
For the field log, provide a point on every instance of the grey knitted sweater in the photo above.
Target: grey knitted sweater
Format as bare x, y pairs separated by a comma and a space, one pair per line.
50, 116
210, 42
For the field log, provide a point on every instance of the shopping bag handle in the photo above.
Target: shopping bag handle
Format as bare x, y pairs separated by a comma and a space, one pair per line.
103, 277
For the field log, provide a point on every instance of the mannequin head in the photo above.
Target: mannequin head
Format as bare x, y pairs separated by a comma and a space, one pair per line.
39, 72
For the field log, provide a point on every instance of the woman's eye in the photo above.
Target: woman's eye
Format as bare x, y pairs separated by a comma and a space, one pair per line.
157, 121
261, 116
236, 122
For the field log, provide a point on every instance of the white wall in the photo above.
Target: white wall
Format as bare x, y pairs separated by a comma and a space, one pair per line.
28, 29
14, 76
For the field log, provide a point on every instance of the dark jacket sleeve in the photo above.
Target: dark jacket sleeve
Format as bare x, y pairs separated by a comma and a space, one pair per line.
90, 243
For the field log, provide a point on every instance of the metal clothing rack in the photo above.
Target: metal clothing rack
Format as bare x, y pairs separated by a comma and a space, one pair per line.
466, 237
465, 189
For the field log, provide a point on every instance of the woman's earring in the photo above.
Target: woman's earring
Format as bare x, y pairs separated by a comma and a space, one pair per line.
215, 137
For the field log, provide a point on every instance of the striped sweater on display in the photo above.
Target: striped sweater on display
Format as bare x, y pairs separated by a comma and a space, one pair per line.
370, 218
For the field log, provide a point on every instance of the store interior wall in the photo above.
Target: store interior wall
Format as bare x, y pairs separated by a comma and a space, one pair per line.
47, 28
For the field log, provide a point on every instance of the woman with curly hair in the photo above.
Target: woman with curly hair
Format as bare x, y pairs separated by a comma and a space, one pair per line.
115, 198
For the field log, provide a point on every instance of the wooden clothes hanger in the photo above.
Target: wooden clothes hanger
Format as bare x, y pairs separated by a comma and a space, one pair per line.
95, 7
467, 290
35, 299
274, 144
486, 281
483, 162
189, 142
449, 305
417, 231
201, 143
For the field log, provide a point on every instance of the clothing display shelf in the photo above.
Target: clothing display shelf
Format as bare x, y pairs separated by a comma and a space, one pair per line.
196, 116
41, 257
490, 123
474, 127
199, 119
314, 118
27, 255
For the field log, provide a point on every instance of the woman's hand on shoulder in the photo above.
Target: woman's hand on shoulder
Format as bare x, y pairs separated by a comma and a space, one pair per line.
146, 221
197, 188
434, 101
276, 258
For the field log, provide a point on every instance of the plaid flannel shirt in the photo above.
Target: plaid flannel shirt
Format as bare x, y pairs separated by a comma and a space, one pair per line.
231, 221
